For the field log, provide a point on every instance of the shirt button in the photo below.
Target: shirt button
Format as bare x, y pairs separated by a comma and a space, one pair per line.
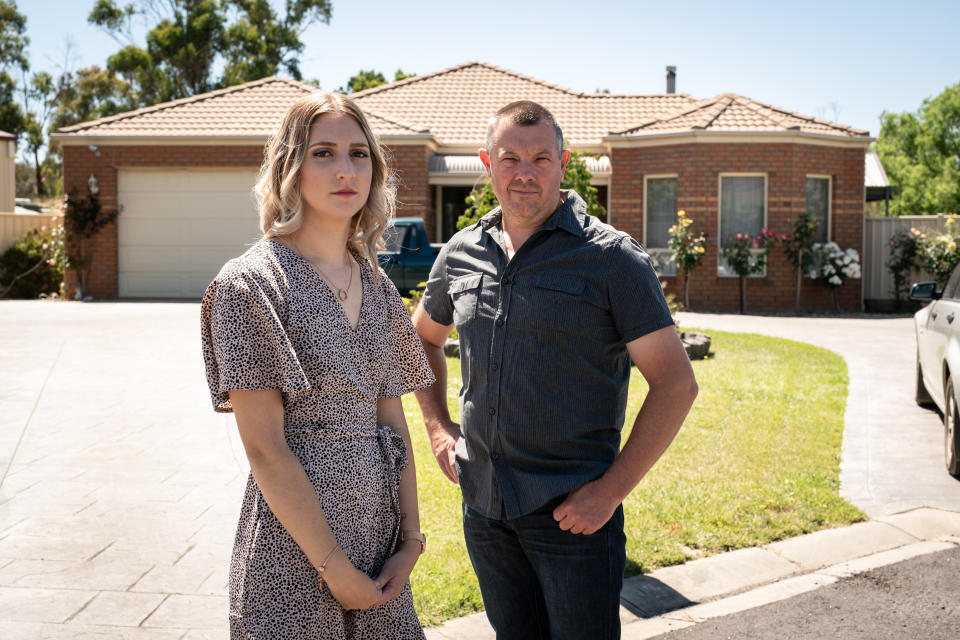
491, 411
499, 322
494, 366
506, 281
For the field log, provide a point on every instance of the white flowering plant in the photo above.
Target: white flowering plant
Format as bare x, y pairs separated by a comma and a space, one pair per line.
833, 264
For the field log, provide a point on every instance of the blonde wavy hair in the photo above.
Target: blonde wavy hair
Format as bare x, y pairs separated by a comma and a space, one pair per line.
278, 185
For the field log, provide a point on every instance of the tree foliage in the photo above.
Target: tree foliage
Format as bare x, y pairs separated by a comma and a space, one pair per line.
363, 80
13, 39
187, 41
921, 155
13, 44
576, 176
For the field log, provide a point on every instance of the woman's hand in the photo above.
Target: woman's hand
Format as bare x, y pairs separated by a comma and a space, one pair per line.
397, 570
352, 588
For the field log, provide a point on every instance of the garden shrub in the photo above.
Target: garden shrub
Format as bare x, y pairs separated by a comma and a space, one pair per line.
32, 266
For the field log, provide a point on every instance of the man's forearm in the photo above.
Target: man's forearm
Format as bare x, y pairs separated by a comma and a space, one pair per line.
433, 399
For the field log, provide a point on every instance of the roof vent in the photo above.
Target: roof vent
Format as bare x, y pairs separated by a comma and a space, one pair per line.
671, 79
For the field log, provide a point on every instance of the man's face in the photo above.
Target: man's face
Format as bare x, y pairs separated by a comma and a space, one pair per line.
525, 169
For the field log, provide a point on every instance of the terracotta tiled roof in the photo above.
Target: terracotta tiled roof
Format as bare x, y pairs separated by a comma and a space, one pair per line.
732, 113
253, 109
455, 104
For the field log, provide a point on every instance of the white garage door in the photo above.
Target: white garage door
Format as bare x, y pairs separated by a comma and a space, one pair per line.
177, 228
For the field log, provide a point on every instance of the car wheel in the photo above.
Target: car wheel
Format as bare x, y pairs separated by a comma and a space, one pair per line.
921, 395
951, 446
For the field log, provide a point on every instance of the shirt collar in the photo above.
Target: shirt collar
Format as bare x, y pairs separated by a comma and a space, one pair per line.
569, 216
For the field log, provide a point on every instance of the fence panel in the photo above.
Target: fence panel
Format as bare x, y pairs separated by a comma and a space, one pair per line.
14, 225
877, 232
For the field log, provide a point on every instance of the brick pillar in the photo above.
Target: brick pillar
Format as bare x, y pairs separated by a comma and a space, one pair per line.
414, 193
79, 163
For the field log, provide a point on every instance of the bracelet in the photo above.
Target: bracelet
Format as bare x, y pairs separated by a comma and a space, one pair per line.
414, 535
323, 565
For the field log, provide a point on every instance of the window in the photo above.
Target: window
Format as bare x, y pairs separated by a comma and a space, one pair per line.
743, 209
818, 205
661, 214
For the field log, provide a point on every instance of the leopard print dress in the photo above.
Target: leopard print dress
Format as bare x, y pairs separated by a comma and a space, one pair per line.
269, 321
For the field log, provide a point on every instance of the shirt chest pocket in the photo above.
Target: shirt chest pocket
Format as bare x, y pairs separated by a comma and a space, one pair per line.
465, 296
567, 302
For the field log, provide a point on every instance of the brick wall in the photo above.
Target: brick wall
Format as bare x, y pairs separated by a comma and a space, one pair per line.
79, 162
414, 193
698, 167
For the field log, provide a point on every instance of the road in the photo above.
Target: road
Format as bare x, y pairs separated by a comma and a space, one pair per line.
915, 599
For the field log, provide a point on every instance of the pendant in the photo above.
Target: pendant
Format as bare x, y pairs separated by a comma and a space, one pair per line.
342, 294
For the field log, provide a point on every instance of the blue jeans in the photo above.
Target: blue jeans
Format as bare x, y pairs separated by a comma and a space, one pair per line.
540, 582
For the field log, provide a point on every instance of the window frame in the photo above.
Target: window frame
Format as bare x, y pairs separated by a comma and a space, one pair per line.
661, 256
829, 179
722, 270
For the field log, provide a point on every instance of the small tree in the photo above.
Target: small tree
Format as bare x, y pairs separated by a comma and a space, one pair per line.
797, 247
903, 260
83, 219
576, 176
747, 255
687, 250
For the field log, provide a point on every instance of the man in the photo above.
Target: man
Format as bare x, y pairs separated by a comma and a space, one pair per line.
551, 306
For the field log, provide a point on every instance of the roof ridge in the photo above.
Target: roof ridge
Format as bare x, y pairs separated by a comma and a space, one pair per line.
678, 113
709, 119
757, 107
200, 97
475, 63
801, 116
399, 123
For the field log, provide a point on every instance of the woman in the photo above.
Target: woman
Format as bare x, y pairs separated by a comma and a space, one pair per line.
310, 345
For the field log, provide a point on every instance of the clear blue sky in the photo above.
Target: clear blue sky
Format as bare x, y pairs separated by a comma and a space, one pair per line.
843, 60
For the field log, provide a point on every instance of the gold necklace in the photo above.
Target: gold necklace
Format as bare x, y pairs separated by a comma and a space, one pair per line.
342, 294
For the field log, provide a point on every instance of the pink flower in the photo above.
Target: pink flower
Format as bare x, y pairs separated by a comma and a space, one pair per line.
755, 244
739, 236
43, 228
783, 236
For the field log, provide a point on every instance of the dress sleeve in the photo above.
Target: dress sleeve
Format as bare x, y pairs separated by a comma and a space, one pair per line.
245, 345
407, 367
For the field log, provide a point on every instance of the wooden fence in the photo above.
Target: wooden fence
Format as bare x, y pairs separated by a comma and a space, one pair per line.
877, 232
14, 225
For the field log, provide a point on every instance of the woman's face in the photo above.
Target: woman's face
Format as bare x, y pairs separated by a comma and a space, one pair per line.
337, 170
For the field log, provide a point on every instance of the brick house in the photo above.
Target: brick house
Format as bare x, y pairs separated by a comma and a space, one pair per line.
181, 173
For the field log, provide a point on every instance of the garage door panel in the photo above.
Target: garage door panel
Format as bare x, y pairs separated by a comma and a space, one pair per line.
173, 181
177, 228
154, 232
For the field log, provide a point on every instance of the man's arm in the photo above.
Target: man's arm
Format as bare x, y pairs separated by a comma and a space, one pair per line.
662, 361
443, 431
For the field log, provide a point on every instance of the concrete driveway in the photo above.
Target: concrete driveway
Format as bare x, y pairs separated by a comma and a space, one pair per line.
892, 449
120, 487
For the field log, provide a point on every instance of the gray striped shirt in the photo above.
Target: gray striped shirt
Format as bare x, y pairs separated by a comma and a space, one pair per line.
543, 352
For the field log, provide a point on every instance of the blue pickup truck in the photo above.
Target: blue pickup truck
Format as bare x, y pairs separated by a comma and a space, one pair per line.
409, 255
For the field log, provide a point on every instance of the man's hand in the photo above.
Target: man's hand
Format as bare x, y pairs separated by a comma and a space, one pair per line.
443, 440
586, 509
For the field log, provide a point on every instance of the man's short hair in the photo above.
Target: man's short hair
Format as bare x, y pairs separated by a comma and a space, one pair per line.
524, 113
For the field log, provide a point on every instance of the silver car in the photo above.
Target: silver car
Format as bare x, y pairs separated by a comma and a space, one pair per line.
938, 358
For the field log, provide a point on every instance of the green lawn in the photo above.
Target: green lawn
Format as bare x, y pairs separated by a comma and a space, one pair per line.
757, 460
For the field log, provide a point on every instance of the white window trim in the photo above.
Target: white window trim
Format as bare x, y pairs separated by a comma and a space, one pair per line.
829, 180
660, 255
722, 270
